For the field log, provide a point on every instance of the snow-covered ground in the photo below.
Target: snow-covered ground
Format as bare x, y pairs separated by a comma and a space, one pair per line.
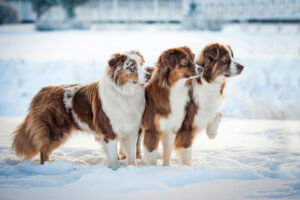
268, 88
249, 159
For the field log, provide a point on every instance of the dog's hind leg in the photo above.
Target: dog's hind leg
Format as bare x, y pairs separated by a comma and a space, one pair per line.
47, 149
44, 154
44, 157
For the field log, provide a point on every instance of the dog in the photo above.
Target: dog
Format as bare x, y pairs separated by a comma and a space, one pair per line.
203, 110
166, 97
111, 109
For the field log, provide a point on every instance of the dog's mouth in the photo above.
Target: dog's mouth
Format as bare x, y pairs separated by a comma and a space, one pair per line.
227, 75
136, 82
239, 71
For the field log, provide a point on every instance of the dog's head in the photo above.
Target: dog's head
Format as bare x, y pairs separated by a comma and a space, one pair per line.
218, 61
178, 63
127, 68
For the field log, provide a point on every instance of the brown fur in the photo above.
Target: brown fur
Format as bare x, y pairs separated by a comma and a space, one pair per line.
187, 131
88, 107
150, 70
172, 65
222, 89
46, 126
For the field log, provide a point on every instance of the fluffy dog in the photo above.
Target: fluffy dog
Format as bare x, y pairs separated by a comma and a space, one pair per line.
166, 97
203, 111
111, 109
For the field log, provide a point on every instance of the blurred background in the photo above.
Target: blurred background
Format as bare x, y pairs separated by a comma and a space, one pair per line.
53, 42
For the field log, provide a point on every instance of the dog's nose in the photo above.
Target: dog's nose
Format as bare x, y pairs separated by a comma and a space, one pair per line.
240, 67
148, 76
200, 70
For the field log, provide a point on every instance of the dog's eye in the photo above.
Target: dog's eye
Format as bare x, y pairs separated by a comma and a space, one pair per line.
132, 68
226, 62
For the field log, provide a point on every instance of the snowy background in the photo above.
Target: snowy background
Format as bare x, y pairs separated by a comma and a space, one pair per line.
257, 152
269, 87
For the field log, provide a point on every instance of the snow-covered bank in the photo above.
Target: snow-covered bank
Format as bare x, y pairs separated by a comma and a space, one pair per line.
268, 88
249, 159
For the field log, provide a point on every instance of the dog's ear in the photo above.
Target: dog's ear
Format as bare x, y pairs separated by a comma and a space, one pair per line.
188, 51
116, 59
173, 57
208, 54
213, 51
150, 70
229, 47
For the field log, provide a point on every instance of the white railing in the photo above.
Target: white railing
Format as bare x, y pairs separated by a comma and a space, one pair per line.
170, 10
244, 9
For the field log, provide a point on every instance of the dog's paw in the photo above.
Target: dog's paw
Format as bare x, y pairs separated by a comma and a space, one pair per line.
212, 131
211, 134
114, 166
212, 128
122, 156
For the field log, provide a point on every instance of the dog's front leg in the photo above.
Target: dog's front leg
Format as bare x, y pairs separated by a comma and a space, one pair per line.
112, 153
130, 144
168, 143
151, 140
212, 127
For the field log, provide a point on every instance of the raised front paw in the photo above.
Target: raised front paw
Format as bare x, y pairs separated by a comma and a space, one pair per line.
212, 128
211, 132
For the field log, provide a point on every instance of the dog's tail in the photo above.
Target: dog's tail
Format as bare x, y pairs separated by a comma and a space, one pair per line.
22, 142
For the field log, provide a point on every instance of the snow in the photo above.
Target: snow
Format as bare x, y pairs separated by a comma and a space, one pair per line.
249, 159
269, 88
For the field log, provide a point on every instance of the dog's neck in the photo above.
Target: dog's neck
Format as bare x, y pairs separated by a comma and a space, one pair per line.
127, 89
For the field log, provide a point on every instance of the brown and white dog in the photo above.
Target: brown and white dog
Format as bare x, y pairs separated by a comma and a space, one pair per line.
203, 111
166, 97
111, 109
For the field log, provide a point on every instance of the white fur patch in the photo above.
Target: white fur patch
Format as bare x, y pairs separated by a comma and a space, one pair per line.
209, 100
151, 157
233, 64
196, 71
212, 127
140, 70
185, 155
123, 105
111, 150
69, 93
178, 100
167, 142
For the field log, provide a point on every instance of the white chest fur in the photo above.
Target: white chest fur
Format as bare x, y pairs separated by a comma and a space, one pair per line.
209, 100
124, 111
178, 100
